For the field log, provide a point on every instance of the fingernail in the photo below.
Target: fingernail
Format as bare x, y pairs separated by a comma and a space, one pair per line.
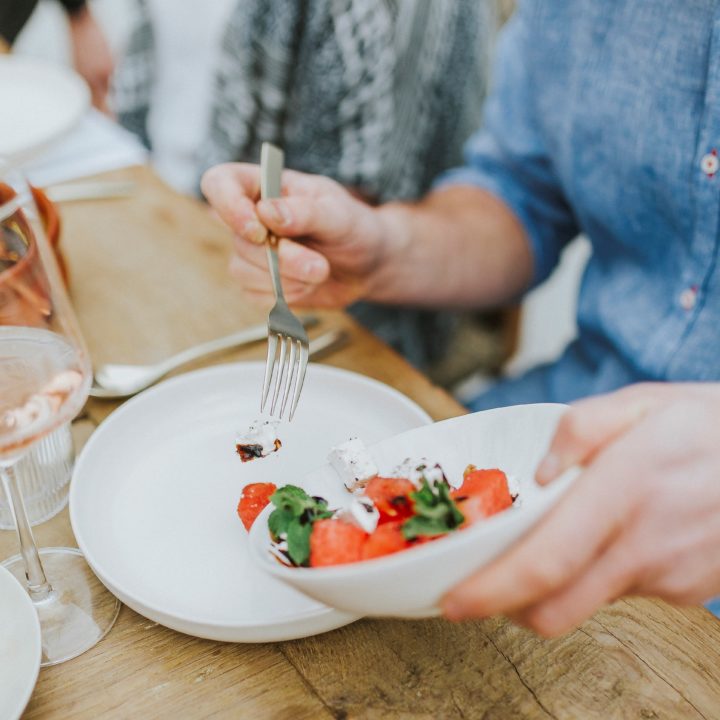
276, 210
254, 232
548, 469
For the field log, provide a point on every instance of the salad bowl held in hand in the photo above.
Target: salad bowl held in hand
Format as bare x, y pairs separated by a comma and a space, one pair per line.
412, 582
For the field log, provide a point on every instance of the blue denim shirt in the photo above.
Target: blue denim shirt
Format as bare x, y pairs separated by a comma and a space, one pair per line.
604, 118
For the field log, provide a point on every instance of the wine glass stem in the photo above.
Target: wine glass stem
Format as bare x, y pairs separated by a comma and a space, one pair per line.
38, 586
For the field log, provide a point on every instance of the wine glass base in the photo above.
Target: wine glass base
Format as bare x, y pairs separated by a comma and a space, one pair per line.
79, 612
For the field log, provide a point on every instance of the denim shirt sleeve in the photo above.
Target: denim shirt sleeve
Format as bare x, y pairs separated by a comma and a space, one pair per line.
509, 157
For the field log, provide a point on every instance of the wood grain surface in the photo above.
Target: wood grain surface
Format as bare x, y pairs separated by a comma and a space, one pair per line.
149, 278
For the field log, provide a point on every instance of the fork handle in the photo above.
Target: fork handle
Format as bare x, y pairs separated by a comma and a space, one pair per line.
271, 166
274, 265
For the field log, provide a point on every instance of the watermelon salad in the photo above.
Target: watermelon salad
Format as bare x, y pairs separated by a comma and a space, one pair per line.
384, 515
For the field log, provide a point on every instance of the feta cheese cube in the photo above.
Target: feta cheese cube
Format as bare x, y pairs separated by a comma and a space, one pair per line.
352, 462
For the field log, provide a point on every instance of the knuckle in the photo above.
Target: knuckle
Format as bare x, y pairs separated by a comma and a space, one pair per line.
541, 619
645, 395
323, 205
328, 208
548, 620
248, 251
572, 426
206, 182
544, 626
320, 183
217, 176
543, 579
676, 589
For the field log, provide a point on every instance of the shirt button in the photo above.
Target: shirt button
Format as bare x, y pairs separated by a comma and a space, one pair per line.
710, 163
688, 297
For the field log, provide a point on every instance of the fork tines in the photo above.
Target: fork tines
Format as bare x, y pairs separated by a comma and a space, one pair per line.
284, 329
287, 370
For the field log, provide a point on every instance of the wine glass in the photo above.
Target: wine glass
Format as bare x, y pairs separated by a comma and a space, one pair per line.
45, 375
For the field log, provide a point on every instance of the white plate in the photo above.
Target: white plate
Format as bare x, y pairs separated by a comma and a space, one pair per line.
154, 494
19, 647
41, 102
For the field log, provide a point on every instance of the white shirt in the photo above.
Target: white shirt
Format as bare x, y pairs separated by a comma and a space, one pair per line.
187, 41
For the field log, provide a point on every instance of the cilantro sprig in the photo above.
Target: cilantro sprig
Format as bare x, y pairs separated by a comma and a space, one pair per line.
293, 518
435, 511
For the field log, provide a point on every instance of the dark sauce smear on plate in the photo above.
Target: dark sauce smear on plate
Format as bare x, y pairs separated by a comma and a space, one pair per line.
253, 450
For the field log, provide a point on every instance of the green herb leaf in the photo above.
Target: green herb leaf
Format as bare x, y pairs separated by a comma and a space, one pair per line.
420, 526
298, 540
278, 523
291, 499
435, 512
293, 518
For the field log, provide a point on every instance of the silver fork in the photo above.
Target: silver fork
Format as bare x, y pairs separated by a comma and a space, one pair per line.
284, 329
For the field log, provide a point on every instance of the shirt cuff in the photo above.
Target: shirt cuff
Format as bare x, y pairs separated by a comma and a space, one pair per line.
72, 7
714, 606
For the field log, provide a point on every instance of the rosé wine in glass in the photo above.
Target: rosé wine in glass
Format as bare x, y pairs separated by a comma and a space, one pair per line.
45, 376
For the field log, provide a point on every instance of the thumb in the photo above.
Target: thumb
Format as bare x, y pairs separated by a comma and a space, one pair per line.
322, 218
590, 425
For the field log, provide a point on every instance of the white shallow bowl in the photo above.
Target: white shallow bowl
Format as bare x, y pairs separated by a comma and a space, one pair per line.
154, 494
411, 583
20, 647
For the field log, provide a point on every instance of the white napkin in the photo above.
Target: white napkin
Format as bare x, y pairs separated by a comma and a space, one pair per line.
97, 145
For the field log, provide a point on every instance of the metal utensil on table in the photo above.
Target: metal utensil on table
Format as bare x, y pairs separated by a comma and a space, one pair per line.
284, 329
113, 381
90, 190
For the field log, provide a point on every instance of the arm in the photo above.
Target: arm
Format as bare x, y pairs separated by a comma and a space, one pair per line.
460, 246
91, 54
642, 518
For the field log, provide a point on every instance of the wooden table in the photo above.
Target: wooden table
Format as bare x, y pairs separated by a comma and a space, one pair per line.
148, 278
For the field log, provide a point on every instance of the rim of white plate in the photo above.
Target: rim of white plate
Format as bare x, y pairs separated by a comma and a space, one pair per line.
7, 577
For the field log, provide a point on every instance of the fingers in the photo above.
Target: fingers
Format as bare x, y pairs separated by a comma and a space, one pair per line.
311, 205
325, 217
590, 425
245, 177
99, 93
257, 289
297, 262
559, 549
302, 269
603, 582
232, 190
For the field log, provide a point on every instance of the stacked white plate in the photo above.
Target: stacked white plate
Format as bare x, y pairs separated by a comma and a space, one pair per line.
19, 647
41, 102
154, 495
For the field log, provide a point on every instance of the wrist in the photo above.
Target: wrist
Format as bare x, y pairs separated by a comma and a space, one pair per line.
393, 233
